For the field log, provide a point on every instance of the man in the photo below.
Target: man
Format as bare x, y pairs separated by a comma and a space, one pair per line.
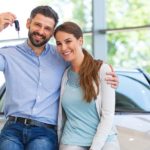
33, 72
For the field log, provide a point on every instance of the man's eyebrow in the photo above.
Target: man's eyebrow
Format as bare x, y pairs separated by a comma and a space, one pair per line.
36, 22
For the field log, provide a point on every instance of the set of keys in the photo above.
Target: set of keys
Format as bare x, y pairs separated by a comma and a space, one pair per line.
17, 27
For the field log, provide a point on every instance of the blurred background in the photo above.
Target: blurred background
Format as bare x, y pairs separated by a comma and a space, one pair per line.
117, 31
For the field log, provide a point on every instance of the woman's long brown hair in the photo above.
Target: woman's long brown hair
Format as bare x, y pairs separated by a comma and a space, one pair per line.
89, 76
89, 70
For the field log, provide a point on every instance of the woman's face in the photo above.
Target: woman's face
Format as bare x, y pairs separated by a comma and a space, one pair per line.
68, 45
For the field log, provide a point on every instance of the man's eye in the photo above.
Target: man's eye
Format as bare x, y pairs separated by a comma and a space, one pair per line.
38, 25
48, 29
68, 41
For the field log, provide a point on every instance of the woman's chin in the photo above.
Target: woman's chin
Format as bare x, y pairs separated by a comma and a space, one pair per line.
67, 59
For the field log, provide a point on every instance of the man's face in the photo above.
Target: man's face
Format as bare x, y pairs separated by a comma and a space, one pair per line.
40, 30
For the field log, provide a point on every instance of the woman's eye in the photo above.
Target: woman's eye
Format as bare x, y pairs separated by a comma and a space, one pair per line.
58, 43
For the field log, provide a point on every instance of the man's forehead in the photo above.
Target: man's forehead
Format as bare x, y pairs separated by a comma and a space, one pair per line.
44, 20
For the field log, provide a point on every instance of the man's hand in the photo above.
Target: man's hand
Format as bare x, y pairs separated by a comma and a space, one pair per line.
112, 79
6, 19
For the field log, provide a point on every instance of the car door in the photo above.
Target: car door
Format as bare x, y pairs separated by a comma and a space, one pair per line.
133, 111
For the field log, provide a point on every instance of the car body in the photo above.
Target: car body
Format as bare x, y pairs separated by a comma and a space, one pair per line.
132, 116
133, 109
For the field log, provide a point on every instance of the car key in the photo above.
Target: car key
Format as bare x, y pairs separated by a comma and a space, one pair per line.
17, 27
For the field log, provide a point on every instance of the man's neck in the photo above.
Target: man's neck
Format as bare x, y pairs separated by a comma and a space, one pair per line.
37, 50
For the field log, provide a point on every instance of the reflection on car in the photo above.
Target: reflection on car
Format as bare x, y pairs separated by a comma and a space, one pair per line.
132, 116
133, 109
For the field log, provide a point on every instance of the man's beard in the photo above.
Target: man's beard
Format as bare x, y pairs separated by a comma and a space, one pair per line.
37, 43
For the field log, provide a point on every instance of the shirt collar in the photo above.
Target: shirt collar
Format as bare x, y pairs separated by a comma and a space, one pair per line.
29, 50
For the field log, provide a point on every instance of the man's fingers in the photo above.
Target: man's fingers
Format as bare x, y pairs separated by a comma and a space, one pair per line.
7, 18
111, 73
113, 84
113, 81
114, 78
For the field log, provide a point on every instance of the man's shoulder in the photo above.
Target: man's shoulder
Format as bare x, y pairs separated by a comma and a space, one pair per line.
53, 52
51, 47
7, 49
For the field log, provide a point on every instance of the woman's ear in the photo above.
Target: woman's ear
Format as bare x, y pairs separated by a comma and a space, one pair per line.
81, 41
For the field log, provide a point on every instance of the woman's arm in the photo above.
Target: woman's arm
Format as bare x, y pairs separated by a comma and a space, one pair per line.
106, 102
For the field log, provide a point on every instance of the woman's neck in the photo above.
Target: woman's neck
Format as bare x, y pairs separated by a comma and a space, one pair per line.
76, 64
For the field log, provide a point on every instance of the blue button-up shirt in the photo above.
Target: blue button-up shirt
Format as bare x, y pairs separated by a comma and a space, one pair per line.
32, 82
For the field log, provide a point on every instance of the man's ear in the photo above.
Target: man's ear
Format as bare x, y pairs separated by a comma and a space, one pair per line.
28, 23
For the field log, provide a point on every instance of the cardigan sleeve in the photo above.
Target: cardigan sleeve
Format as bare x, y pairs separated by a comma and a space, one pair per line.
106, 100
61, 113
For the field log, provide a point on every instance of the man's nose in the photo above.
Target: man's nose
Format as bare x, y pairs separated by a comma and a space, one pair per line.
41, 31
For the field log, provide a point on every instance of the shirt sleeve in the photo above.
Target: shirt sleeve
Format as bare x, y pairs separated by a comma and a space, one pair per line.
107, 109
2, 63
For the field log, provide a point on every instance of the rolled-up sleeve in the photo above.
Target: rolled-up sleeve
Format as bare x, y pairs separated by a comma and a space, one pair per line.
2, 63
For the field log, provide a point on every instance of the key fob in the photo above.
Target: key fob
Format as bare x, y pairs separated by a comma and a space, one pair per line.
17, 27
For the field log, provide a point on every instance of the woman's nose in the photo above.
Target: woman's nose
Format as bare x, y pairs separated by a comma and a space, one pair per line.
64, 47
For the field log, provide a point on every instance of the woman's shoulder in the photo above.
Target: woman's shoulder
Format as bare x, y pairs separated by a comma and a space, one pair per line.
105, 67
65, 73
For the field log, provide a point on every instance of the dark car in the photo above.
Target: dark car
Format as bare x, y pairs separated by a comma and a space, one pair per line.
132, 116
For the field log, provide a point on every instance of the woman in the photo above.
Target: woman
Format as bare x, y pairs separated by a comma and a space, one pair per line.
87, 102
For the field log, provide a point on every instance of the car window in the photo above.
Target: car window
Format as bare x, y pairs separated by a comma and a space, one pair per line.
133, 94
2, 97
2, 81
2, 102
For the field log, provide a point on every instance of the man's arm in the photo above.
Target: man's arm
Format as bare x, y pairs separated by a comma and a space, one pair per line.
6, 19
